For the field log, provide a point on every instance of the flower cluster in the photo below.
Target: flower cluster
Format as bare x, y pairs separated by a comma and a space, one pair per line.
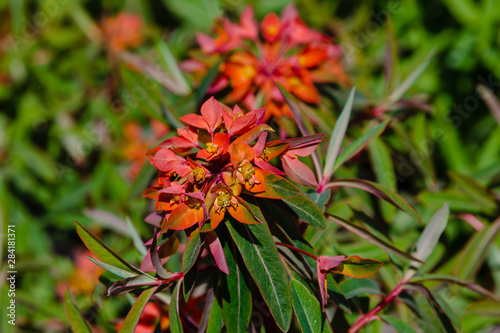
283, 50
123, 31
220, 159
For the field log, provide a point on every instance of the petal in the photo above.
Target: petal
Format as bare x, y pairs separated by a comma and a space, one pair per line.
211, 111
299, 172
242, 213
217, 251
240, 153
181, 218
195, 121
206, 43
216, 218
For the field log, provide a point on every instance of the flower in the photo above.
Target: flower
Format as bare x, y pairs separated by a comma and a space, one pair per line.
289, 53
210, 171
123, 31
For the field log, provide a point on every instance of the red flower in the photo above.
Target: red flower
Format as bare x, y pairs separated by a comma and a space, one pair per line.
290, 53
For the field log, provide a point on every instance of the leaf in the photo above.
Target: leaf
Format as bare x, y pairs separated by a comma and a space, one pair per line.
112, 269
237, 298
215, 319
139, 244
429, 239
474, 190
457, 200
192, 251
102, 251
410, 79
399, 325
256, 245
354, 287
77, 322
306, 308
134, 314
307, 211
370, 237
472, 256
130, 284
380, 191
336, 294
206, 82
170, 64
320, 199
358, 144
337, 137
217, 251
484, 308
155, 258
294, 108
491, 100
173, 313
357, 267
277, 187
451, 279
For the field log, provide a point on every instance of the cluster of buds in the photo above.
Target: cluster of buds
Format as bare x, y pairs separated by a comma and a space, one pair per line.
286, 51
221, 158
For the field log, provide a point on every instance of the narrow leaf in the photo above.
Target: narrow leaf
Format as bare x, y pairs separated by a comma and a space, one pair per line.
112, 269
193, 248
155, 258
134, 314
173, 314
357, 267
337, 137
136, 238
262, 260
77, 322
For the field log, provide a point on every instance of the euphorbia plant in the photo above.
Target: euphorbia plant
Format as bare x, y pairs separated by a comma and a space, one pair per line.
220, 184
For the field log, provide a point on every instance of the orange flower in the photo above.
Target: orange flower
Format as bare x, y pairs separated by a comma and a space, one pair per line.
123, 31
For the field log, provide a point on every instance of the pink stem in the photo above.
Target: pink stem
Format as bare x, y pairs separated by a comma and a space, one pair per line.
297, 250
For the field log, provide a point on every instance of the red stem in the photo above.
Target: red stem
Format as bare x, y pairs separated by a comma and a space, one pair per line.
291, 247
181, 274
368, 317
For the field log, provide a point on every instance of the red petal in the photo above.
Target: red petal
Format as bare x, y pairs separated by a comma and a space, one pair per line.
241, 152
299, 172
195, 121
211, 111
217, 251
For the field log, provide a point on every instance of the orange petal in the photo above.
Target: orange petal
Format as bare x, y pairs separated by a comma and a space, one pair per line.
242, 213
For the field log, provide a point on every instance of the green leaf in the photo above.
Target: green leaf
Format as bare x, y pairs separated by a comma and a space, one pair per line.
354, 287
134, 314
475, 191
138, 243
320, 199
380, 191
358, 144
457, 200
112, 269
336, 294
215, 319
306, 308
130, 284
262, 260
337, 136
399, 325
357, 267
192, 251
307, 211
278, 187
237, 298
102, 251
206, 82
77, 322
472, 256
170, 64
173, 314
429, 239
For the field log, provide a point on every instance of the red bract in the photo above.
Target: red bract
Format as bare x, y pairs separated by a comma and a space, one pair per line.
216, 164
289, 53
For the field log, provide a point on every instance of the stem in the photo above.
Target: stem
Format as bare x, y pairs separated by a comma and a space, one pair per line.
291, 247
368, 317
181, 274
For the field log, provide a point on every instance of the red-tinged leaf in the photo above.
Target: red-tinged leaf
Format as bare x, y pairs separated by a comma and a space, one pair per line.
274, 148
173, 313
380, 191
277, 187
177, 144
299, 172
323, 265
211, 111
217, 251
264, 264
327, 263
112, 269
242, 124
102, 251
243, 213
129, 284
134, 314
77, 322
304, 142
294, 108
322, 285
253, 134
155, 258
215, 219
195, 121
240, 153
192, 251
268, 167
357, 267
181, 218
164, 159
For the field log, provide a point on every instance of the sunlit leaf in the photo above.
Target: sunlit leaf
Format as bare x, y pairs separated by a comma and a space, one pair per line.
77, 322
192, 251
307, 211
357, 267
135, 312
306, 308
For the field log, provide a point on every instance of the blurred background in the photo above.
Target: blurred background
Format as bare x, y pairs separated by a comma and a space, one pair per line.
77, 117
